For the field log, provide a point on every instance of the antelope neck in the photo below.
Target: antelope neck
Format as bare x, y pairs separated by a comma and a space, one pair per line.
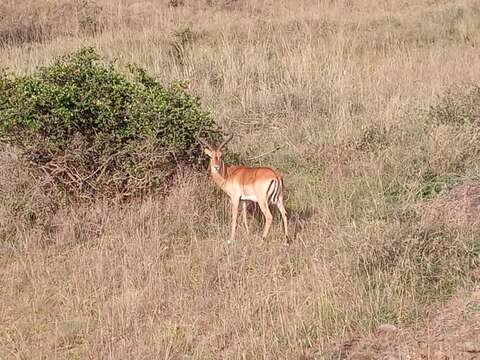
220, 177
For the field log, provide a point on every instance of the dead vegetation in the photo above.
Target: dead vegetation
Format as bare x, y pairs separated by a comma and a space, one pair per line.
36, 22
452, 333
456, 208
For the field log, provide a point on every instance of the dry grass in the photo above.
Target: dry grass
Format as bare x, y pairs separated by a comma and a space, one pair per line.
451, 334
456, 208
343, 87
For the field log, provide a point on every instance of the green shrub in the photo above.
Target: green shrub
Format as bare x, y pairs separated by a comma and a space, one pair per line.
98, 131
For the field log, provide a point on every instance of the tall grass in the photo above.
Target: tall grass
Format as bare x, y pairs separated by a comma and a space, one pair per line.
344, 88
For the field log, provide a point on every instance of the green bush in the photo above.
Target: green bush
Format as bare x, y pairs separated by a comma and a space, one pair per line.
99, 131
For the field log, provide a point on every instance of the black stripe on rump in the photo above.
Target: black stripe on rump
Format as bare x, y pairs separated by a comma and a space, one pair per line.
275, 193
278, 190
270, 195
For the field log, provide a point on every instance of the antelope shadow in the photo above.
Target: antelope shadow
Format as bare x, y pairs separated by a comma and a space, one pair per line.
297, 218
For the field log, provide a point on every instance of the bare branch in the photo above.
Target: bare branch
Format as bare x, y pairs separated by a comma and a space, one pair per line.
266, 153
203, 142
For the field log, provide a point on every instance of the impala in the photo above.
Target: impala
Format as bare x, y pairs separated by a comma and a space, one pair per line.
262, 185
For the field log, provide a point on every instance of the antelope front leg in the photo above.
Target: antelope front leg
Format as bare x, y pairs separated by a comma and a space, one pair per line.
234, 219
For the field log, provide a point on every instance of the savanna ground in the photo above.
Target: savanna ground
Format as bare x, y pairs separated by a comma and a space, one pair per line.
374, 109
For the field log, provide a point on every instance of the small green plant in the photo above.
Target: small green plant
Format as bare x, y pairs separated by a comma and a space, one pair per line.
99, 131
457, 107
182, 38
433, 184
89, 17
372, 138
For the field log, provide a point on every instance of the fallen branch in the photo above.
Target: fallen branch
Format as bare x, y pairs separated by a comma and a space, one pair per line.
267, 153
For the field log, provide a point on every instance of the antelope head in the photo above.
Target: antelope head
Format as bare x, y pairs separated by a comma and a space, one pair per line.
215, 154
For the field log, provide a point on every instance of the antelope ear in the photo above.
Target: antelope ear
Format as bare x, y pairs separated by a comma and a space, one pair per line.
208, 152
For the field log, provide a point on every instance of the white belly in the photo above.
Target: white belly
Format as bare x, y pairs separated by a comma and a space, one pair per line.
249, 197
